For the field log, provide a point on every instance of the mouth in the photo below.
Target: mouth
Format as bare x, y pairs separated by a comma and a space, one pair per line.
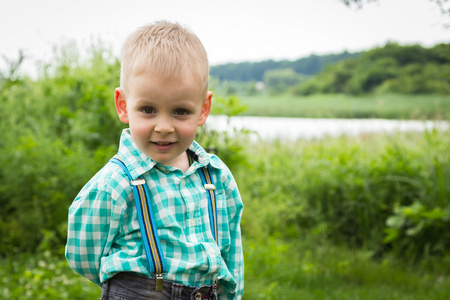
162, 143
163, 146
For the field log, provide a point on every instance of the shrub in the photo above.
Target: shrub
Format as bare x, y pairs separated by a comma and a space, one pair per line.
57, 132
346, 189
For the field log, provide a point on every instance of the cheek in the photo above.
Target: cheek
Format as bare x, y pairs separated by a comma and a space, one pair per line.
139, 129
188, 130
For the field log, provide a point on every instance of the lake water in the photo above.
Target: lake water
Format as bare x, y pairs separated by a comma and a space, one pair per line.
269, 128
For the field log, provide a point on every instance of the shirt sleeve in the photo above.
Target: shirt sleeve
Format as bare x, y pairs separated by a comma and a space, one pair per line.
234, 257
94, 219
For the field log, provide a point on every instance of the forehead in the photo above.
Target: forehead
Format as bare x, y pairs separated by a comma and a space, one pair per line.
148, 85
153, 77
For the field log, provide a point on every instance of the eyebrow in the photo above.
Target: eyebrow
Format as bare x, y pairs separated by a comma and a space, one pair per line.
148, 102
143, 101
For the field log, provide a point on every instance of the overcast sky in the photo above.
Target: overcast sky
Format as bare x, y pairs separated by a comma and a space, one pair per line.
231, 30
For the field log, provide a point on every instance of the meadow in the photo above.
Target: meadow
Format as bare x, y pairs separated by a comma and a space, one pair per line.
386, 106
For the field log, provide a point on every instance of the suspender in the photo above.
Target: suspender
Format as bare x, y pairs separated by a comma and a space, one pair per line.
212, 206
150, 238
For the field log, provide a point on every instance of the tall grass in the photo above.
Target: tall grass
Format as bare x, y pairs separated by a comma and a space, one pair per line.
316, 218
312, 269
42, 276
347, 189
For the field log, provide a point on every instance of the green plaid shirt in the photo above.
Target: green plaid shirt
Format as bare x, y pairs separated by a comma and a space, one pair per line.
104, 237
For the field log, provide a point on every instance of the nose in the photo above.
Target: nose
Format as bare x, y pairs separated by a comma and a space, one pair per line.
164, 126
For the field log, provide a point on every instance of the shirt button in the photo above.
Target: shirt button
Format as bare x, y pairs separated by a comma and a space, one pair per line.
212, 250
192, 222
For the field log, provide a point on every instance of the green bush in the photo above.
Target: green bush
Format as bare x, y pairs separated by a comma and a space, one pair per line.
346, 189
418, 232
57, 131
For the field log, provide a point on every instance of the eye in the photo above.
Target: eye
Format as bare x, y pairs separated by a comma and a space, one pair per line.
148, 110
181, 112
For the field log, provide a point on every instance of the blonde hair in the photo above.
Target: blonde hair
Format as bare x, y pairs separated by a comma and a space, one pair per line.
167, 50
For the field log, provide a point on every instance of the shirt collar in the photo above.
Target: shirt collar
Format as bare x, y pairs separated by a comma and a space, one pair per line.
203, 158
138, 163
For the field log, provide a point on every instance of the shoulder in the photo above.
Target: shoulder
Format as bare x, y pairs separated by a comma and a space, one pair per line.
222, 170
228, 196
110, 182
224, 180
217, 164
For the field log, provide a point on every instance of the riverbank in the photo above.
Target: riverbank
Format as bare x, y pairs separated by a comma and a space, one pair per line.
291, 129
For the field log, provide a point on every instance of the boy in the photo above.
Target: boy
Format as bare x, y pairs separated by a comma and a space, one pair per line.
163, 96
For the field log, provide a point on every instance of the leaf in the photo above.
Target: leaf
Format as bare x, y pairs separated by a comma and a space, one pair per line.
391, 235
435, 214
415, 230
413, 210
396, 221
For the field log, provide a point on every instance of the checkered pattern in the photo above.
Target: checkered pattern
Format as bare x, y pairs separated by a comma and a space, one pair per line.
104, 237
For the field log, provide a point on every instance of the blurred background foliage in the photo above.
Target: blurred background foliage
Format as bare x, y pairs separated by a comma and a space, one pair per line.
371, 212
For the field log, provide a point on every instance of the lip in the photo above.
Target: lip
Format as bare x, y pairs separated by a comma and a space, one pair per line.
163, 145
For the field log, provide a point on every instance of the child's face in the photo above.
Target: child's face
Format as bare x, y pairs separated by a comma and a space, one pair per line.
163, 115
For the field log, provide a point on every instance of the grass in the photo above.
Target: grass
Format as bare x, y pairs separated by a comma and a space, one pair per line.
305, 268
341, 106
42, 276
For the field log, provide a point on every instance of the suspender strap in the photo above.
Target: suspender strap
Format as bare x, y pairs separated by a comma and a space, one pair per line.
150, 238
212, 206
152, 245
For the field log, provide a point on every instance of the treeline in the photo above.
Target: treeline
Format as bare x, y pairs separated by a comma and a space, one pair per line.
410, 69
393, 68
254, 71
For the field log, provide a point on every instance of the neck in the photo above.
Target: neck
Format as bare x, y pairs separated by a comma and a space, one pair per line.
181, 162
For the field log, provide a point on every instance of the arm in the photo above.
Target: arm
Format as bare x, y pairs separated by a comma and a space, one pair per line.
233, 256
93, 223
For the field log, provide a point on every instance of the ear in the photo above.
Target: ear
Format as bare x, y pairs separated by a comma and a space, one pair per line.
206, 108
121, 105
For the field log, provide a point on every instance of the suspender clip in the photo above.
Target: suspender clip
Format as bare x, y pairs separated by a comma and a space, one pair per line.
210, 187
139, 181
159, 282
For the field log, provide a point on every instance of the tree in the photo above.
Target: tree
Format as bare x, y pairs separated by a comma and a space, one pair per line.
444, 5
409, 69
279, 80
